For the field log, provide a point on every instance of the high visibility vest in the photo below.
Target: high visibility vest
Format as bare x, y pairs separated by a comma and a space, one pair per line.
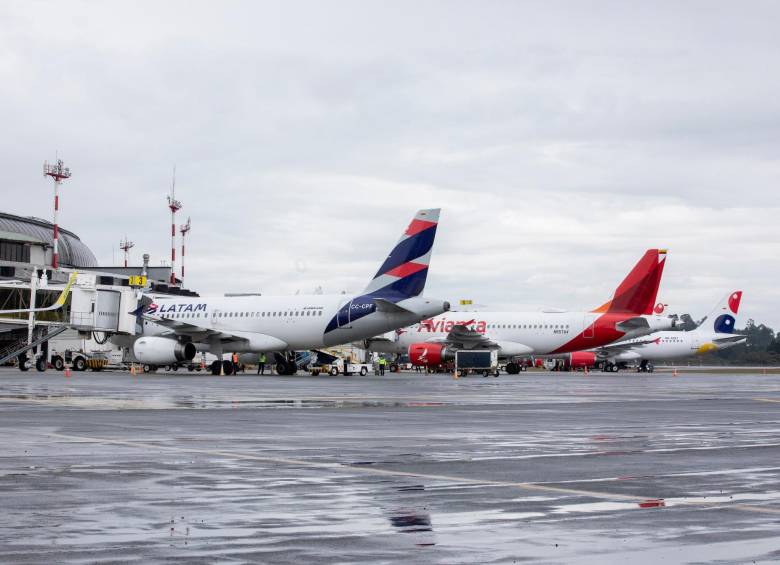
235, 358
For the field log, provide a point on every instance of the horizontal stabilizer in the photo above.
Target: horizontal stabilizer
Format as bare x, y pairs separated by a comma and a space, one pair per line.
388, 307
632, 324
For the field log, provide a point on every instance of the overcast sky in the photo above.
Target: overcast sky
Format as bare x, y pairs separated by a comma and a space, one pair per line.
560, 139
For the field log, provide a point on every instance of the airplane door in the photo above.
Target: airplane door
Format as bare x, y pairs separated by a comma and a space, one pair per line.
342, 318
214, 317
589, 331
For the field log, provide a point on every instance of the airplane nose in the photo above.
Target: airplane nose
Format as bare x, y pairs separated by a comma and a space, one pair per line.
446, 306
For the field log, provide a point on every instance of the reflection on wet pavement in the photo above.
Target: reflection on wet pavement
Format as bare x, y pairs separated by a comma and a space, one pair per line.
409, 468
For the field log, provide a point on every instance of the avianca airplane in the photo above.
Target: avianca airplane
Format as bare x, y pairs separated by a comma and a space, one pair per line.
518, 334
173, 328
719, 334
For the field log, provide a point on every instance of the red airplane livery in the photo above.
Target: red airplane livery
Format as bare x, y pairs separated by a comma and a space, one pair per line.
629, 314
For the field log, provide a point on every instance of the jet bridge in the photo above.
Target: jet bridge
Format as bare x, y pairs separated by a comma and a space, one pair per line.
30, 314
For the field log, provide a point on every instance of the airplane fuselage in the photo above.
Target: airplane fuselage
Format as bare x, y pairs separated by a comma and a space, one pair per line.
524, 333
279, 323
676, 345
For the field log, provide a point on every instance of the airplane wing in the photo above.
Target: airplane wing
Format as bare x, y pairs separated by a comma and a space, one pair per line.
620, 347
197, 333
736, 338
462, 337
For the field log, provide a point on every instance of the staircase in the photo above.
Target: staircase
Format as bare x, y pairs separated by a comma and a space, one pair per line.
304, 358
21, 346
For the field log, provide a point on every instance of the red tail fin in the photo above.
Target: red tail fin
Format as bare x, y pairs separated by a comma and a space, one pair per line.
638, 291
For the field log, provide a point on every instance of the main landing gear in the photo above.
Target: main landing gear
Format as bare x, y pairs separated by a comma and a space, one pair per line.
285, 366
513, 368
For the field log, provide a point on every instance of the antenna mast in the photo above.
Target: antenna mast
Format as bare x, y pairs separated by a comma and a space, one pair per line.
58, 172
126, 245
184, 229
174, 206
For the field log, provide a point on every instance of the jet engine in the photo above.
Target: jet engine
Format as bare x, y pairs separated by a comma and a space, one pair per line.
429, 354
582, 359
162, 351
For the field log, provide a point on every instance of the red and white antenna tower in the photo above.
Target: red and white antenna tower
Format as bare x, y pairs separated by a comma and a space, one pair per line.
126, 245
58, 172
184, 229
174, 205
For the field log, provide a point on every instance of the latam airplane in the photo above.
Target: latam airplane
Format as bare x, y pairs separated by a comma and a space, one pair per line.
669, 345
174, 328
519, 334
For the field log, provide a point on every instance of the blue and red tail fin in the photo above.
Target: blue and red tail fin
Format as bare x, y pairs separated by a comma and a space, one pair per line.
404, 272
725, 313
638, 291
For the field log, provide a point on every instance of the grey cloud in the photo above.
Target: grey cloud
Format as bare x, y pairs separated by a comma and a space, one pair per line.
561, 139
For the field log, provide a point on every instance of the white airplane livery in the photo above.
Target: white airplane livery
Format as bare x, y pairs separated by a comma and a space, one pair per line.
173, 328
718, 334
518, 334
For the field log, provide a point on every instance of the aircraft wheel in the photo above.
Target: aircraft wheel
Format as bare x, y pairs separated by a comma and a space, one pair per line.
23, 366
512, 368
40, 364
216, 366
227, 367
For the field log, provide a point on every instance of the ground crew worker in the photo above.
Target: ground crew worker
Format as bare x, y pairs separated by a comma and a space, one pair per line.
382, 363
235, 363
261, 364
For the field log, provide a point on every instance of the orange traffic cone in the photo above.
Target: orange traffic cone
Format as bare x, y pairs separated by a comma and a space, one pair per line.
67, 371
674, 373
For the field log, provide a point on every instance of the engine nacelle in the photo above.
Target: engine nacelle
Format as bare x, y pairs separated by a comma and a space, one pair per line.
162, 351
429, 354
582, 359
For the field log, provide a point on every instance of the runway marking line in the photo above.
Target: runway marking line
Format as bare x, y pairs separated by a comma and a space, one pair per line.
766, 400
341, 467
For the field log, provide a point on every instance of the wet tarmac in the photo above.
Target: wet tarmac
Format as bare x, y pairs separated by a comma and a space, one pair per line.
410, 468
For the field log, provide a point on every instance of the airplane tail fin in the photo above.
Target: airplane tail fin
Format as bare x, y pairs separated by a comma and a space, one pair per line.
404, 272
725, 313
638, 291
